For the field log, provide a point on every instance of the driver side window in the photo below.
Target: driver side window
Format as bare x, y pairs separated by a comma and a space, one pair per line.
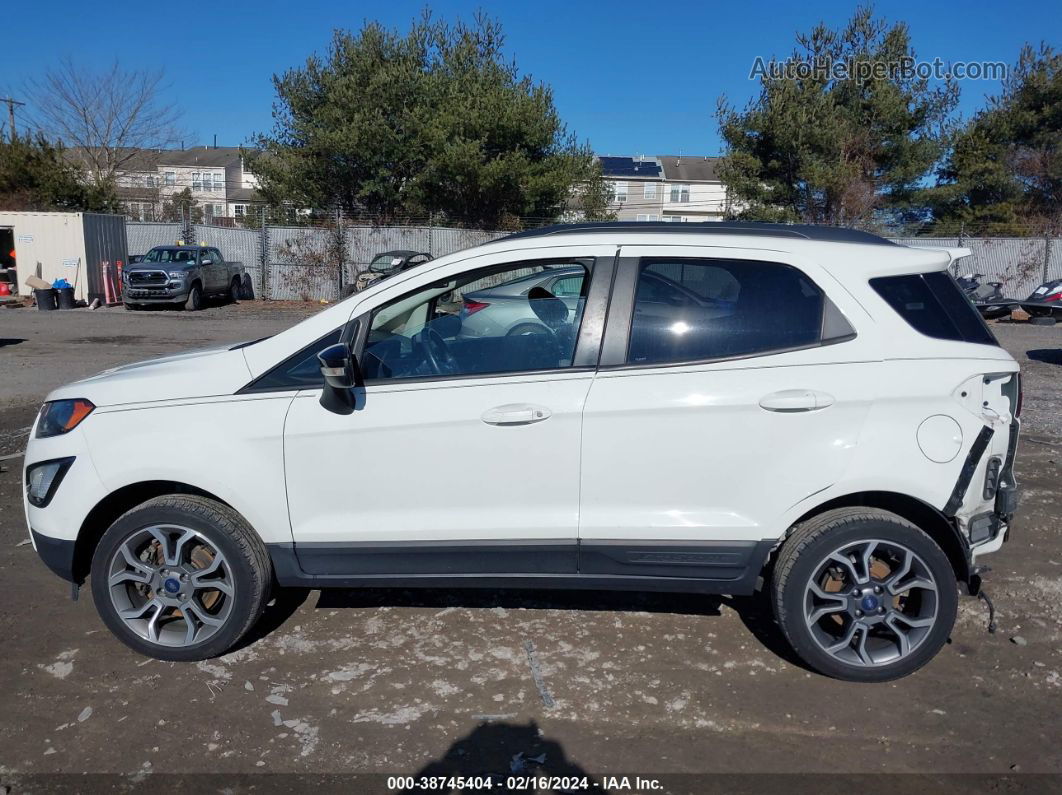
494, 320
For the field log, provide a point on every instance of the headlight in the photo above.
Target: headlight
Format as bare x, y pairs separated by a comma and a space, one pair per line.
178, 275
43, 479
62, 416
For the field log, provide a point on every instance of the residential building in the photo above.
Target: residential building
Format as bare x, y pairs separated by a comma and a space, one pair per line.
665, 188
220, 185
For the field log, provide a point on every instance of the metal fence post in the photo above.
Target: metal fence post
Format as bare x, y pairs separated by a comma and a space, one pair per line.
340, 250
263, 255
1047, 255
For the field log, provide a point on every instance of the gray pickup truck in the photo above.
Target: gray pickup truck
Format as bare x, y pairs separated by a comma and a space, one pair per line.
182, 275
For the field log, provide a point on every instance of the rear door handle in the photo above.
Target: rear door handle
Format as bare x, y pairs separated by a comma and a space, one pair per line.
794, 400
516, 414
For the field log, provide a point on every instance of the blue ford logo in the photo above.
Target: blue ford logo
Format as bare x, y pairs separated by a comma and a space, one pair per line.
869, 603
171, 585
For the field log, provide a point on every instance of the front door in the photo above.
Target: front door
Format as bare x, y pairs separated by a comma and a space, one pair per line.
209, 273
462, 456
731, 388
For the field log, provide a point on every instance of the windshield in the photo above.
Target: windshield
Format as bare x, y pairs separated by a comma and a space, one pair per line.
384, 263
170, 255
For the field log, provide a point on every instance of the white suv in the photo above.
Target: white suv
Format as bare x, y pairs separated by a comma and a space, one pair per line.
726, 407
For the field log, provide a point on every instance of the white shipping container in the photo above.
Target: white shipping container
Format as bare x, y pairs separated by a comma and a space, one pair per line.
86, 249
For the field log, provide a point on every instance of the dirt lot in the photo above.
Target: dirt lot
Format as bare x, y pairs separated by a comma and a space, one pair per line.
408, 681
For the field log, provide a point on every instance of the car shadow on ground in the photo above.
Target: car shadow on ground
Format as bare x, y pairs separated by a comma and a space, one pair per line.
5, 341
753, 611
1046, 355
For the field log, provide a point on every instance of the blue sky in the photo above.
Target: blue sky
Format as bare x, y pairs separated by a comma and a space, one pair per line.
631, 78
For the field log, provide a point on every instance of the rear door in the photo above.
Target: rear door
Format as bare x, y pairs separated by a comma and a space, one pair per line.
732, 387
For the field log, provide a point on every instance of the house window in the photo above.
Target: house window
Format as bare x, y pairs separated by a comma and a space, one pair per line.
170, 178
219, 180
619, 192
648, 217
649, 191
197, 181
239, 210
680, 193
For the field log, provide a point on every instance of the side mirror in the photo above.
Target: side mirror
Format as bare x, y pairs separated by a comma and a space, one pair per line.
340, 370
207, 261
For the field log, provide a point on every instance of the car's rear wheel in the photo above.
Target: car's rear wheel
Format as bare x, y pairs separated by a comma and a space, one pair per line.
180, 578
524, 329
234, 290
861, 594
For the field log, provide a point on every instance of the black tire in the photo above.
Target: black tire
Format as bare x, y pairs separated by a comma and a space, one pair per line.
194, 301
1042, 320
244, 553
234, 290
808, 548
133, 307
527, 328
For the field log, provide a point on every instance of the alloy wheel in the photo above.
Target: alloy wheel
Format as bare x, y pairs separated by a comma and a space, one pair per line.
871, 603
170, 585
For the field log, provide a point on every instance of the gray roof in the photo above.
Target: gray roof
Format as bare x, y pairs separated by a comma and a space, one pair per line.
243, 195
208, 156
146, 160
690, 168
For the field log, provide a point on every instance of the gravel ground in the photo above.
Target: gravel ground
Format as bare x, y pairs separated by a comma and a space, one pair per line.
482, 682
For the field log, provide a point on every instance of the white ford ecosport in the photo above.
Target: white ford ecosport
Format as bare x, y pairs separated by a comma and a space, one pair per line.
710, 408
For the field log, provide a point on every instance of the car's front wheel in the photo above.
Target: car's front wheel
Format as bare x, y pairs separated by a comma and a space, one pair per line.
194, 301
861, 594
180, 578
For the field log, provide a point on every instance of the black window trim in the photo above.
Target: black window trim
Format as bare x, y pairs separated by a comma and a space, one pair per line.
945, 310
587, 345
347, 333
356, 332
621, 315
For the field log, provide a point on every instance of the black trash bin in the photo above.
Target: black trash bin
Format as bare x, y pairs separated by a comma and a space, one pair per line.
65, 297
45, 299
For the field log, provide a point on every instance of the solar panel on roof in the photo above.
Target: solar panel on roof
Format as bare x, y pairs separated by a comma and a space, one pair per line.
629, 167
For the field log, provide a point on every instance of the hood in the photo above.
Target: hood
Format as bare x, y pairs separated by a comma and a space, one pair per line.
195, 374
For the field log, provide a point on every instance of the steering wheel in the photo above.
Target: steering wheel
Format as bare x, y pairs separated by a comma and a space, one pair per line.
437, 352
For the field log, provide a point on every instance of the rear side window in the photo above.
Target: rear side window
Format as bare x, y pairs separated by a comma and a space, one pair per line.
697, 309
933, 304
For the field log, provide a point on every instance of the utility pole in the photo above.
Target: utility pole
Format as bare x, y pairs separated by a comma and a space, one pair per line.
11, 113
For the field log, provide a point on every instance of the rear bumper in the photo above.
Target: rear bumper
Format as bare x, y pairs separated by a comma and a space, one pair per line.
56, 553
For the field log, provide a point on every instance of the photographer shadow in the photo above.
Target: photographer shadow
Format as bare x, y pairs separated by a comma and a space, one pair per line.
499, 751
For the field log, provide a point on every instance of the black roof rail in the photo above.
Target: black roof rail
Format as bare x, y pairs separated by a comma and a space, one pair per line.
828, 234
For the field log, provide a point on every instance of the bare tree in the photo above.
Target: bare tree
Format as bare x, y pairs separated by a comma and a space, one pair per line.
109, 116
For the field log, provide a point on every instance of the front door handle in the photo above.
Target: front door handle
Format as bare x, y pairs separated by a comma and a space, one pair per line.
516, 414
793, 400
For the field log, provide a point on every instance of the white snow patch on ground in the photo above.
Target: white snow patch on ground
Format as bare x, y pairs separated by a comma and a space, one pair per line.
63, 665
398, 717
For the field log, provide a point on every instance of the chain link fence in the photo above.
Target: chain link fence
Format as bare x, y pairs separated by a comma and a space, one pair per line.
303, 263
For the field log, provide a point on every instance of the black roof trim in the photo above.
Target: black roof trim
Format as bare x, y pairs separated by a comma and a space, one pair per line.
827, 234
